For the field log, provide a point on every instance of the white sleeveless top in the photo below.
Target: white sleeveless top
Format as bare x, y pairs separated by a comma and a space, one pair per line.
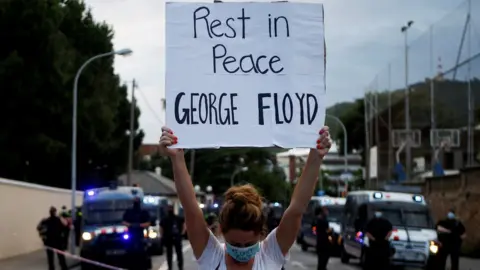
268, 257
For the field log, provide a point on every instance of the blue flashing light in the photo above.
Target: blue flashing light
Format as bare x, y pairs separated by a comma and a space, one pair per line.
276, 204
215, 205
417, 198
126, 236
90, 193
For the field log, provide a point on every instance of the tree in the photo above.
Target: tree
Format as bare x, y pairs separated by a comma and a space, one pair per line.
354, 120
47, 42
215, 167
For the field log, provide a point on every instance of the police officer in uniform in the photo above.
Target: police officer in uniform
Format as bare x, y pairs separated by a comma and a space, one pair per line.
137, 220
323, 243
378, 232
77, 225
66, 215
212, 223
451, 233
173, 227
272, 221
52, 231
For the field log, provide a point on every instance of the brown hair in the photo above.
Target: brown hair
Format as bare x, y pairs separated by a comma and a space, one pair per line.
242, 210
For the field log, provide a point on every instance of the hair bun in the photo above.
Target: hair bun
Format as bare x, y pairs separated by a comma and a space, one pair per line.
242, 195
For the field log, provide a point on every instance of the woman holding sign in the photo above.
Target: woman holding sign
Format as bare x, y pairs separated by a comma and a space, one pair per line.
242, 221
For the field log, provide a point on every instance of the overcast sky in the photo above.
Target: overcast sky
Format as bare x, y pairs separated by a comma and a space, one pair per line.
362, 37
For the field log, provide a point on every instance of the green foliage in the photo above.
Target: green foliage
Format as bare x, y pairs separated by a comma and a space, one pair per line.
215, 167
43, 45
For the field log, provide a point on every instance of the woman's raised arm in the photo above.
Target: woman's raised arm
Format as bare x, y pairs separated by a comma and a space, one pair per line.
291, 221
197, 229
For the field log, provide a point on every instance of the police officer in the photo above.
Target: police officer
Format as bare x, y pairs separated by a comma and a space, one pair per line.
66, 215
378, 231
323, 243
212, 222
173, 228
77, 225
271, 224
137, 220
52, 231
451, 233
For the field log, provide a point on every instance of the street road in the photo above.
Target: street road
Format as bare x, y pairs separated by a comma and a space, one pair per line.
299, 260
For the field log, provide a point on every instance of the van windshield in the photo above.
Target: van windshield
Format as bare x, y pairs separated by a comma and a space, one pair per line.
335, 213
407, 215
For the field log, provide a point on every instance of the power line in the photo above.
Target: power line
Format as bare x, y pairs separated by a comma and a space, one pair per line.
145, 99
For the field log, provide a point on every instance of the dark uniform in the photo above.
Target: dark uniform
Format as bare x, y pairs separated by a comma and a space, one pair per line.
66, 234
135, 217
272, 221
77, 225
323, 244
379, 250
451, 241
172, 227
52, 231
212, 222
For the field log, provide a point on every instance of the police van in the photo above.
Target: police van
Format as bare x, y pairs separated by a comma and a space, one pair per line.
414, 237
104, 239
307, 237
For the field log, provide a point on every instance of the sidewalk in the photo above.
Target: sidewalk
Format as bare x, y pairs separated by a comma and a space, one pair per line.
467, 264
36, 260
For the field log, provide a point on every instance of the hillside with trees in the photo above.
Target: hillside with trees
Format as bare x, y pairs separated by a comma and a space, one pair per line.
451, 110
43, 45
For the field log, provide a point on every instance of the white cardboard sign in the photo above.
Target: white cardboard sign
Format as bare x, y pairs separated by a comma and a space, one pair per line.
245, 74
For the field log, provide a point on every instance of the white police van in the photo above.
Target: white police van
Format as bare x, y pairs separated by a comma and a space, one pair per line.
307, 236
414, 236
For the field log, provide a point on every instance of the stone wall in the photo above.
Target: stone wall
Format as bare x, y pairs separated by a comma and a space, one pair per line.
462, 193
22, 206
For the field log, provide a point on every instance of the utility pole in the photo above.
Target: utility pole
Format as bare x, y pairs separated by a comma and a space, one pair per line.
132, 135
408, 153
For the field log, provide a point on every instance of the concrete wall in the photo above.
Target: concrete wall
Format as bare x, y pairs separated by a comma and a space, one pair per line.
461, 192
22, 206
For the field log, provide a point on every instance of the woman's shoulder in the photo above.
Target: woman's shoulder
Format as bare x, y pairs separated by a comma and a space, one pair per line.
212, 254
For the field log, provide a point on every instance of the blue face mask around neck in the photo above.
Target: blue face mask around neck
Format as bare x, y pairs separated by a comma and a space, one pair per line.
242, 254
450, 215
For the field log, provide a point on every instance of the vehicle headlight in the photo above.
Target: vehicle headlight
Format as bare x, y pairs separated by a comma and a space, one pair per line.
433, 247
86, 236
152, 234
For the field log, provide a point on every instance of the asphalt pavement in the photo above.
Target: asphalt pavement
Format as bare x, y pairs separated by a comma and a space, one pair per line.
299, 260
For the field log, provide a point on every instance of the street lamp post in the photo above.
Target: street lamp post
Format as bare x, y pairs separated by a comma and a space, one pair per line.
209, 195
122, 52
345, 145
237, 171
408, 153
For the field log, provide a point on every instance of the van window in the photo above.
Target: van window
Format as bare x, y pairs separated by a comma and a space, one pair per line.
311, 207
309, 214
361, 217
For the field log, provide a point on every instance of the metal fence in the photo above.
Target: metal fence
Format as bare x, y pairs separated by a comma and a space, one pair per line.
442, 71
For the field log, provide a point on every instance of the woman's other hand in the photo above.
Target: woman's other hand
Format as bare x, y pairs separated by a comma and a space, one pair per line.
168, 139
324, 142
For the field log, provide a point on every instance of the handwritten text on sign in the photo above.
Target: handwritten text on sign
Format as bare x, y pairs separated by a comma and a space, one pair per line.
245, 74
